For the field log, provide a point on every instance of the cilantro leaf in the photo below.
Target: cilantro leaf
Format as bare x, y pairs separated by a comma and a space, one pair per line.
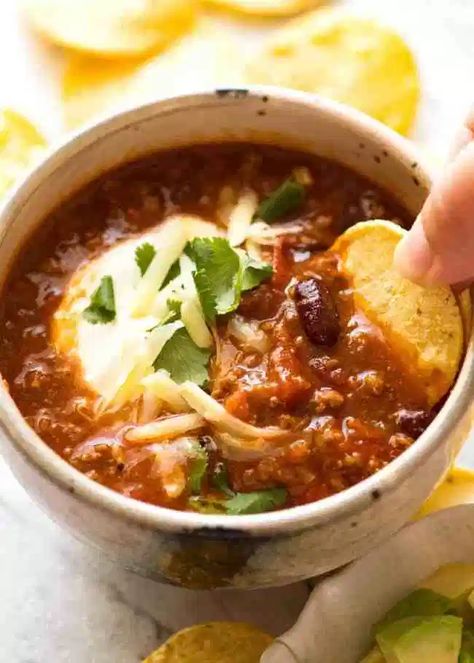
144, 254
174, 306
197, 468
257, 502
206, 294
287, 198
102, 305
221, 480
173, 272
183, 359
174, 312
254, 272
218, 274
222, 274
206, 505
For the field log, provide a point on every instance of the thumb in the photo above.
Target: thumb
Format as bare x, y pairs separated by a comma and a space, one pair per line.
440, 246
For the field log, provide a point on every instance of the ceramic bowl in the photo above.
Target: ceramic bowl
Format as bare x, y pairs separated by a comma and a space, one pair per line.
336, 623
205, 551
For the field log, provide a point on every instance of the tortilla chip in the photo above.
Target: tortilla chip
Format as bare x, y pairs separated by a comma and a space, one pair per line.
215, 642
93, 86
111, 28
465, 305
20, 144
456, 489
423, 325
267, 7
351, 59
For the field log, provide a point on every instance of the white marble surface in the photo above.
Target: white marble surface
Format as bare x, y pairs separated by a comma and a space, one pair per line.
64, 603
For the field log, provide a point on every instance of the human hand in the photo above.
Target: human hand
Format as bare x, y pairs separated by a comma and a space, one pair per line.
440, 246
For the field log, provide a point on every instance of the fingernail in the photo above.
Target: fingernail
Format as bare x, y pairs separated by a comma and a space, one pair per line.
413, 256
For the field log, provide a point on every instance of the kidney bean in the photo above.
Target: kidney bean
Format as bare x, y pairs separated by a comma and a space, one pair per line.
413, 422
317, 312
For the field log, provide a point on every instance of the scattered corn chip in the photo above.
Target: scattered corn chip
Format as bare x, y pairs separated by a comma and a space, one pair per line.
111, 28
350, 59
267, 7
457, 488
215, 642
92, 86
20, 144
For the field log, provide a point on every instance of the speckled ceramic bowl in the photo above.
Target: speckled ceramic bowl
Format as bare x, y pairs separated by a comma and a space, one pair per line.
206, 551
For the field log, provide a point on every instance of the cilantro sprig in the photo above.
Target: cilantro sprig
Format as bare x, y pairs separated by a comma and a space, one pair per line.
197, 469
183, 359
258, 501
144, 254
287, 198
222, 274
101, 309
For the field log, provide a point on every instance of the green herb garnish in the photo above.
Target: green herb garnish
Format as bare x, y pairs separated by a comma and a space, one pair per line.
287, 198
173, 272
256, 502
205, 505
222, 274
183, 359
101, 309
220, 479
174, 307
144, 254
254, 272
217, 275
197, 470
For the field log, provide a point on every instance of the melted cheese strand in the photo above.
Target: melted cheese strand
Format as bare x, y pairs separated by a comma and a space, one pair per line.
166, 428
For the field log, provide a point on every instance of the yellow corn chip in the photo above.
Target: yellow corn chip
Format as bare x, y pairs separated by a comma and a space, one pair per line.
20, 144
350, 59
215, 642
423, 325
457, 488
267, 7
92, 86
111, 28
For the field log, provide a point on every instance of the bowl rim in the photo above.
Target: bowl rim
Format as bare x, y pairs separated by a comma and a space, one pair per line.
330, 509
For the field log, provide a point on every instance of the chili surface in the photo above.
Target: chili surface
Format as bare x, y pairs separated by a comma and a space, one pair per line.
323, 370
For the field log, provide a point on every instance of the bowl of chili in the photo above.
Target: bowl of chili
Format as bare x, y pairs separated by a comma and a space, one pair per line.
246, 426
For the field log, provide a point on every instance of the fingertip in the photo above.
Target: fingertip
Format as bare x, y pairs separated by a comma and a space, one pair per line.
413, 256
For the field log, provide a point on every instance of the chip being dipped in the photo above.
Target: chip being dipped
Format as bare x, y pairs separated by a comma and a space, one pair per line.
423, 324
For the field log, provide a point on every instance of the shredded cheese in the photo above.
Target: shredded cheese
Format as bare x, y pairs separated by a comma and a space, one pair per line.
241, 217
216, 413
262, 233
170, 240
165, 429
166, 390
